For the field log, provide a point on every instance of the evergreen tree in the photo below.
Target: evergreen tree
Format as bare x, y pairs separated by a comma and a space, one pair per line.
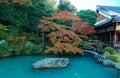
65, 5
88, 16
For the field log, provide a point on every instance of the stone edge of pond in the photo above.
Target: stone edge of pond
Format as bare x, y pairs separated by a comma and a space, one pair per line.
109, 63
99, 58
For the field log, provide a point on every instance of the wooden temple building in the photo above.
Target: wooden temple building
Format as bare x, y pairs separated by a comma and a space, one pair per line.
108, 24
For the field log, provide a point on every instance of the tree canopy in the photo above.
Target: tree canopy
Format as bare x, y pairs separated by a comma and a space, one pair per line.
20, 15
65, 5
63, 39
88, 16
56, 32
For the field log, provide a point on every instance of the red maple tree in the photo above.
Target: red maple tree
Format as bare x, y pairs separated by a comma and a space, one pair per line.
63, 39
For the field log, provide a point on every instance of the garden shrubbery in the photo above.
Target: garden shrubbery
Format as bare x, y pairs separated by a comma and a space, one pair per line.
28, 29
109, 54
109, 49
87, 45
112, 57
20, 48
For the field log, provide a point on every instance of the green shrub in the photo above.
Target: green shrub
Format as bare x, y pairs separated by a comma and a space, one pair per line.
33, 38
109, 49
112, 57
35, 49
86, 45
5, 50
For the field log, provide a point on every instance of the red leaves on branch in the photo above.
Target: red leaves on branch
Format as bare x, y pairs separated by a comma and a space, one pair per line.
48, 26
60, 48
89, 29
65, 16
77, 26
62, 39
83, 29
65, 36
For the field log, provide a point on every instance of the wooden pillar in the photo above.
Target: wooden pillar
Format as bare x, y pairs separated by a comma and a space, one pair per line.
115, 39
105, 36
110, 38
117, 36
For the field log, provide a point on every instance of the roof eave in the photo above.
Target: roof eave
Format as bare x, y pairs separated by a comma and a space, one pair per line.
102, 22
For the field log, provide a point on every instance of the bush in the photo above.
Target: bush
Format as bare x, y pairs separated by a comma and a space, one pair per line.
86, 45
109, 49
12, 46
33, 38
112, 57
5, 49
35, 49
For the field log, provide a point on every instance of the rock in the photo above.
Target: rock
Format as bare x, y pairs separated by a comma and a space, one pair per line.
97, 56
108, 63
100, 60
51, 63
117, 66
2, 42
28, 44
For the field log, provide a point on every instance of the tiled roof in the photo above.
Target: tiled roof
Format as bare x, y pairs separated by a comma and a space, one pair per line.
103, 22
112, 11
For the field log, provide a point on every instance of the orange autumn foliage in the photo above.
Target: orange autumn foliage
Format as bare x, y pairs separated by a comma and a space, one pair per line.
68, 36
19, 39
61, 48
48, 26
62, 39
83, 29
64, 15
65, 36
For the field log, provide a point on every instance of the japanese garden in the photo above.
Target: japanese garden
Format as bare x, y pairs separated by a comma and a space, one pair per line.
53, 39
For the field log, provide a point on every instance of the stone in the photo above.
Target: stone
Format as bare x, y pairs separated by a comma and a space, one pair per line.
28, 44
2, 42
108, 63
100, 59
51, 63
117, 66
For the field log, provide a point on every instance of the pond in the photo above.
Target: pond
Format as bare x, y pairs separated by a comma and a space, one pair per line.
79, 67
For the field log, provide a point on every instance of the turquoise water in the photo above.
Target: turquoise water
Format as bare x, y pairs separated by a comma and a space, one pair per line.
79, 67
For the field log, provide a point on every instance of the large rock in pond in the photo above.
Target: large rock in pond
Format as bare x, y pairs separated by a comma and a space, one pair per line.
51, 63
